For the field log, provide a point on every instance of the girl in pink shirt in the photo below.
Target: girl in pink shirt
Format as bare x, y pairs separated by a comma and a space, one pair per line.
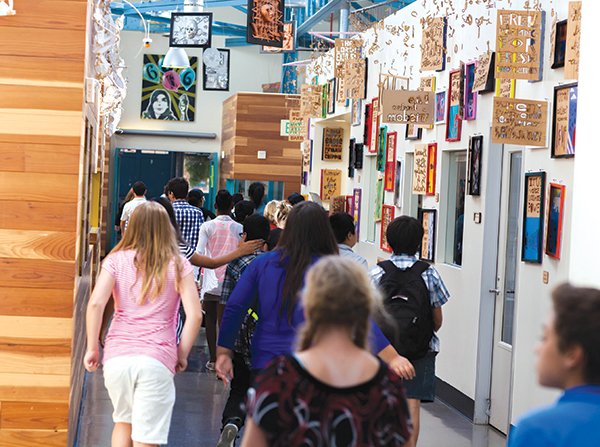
147, 277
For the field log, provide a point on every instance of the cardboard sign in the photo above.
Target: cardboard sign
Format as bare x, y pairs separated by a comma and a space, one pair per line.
408, 107
351, 84
420, 166
519, 121
346, 50
311, 101
573, 38
519, 37
333, 140
482, 70
289, 40
433, 46
331, 183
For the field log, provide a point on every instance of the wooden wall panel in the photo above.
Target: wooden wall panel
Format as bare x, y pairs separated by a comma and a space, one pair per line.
49, 14
51, 245
39, 387
36, 273
36, 302
60, 43
33, 438
33, 157
40, 97
27, 215
58, 188
34, 415
25, 69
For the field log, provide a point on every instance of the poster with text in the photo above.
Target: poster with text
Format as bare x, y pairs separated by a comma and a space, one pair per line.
455, 105
556, 204
390, 162
433, 46
564, 125
519, 121
331, 183
420, 165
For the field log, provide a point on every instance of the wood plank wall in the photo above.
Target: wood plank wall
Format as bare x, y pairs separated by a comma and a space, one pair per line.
251, 122
42, 59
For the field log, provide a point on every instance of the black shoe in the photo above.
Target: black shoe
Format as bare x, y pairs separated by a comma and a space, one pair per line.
228, 435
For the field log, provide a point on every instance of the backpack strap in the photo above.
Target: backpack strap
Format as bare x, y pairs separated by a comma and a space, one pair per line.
388, 266
419, 267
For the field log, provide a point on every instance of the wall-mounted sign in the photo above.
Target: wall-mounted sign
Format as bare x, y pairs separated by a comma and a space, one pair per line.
311, 101
519, 121
346, 50
333, 139
573, 38
484, 73
564, 124
420, 166
533, 217
408, 107
455, 105
331, 183
265, 22
433, 46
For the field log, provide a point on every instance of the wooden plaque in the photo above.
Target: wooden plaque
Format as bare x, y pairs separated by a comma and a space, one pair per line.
333, 139
408, 107
265, 22
519, 121
420, 166
573, 38
331, 183
433, 46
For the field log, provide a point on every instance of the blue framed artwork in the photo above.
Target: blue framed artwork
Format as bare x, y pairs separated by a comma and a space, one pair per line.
564, 124
454, 105
533, 217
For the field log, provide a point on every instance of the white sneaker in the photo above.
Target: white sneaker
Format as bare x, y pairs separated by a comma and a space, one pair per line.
210, 366
228, 435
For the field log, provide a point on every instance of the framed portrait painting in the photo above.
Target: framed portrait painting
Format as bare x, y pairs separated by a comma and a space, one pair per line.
474, 165
564, 123
533, 217
191, 29
556, 204
387, 215
428, 220
216, 77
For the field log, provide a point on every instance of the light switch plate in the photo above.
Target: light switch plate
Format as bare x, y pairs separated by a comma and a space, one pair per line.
262, 155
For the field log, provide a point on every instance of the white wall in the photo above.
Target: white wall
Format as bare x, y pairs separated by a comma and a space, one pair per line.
458, 362
249, 70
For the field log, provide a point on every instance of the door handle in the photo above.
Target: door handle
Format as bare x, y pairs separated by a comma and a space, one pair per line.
495, 291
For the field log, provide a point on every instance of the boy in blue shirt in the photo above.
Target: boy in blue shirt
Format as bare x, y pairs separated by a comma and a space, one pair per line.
568, 359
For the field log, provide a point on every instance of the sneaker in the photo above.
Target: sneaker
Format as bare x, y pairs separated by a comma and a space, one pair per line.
210, 366
228, 435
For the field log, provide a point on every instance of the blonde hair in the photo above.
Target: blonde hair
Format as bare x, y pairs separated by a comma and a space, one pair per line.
130, 195
151, 235
281, 213
270, 209
338, 293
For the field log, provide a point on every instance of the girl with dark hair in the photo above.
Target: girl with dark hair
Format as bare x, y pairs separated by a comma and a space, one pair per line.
256, 192
159, 106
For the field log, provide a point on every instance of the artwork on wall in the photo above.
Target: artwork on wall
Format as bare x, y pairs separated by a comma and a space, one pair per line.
324, 101
358, 157
427, 218
356, 112
378, 198
311, 101
474, 165
427, 84
408, 107
519, 121
306, 155
391, 82
191, 29
331, 183
357, 194
374, 125
289, 40
337, 204
398, 184
381, 149
349, 209
387, 215
506, 88
420, 165
484, 73
390, 162
413, 132
519, 44
470, 99
556, 205
431, 168
560, 44
367, 126
433, 47
264, 24
331, 96
351, 157
573, 38
333, 140
564, 124
533, 217
455, 105
352, 85
440, 107
168, 95
216, 77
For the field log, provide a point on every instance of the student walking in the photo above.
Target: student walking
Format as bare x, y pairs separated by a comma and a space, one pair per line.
139, 197
147, 277
332, 391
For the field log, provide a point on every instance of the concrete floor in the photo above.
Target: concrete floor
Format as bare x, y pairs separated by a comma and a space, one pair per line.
200, 400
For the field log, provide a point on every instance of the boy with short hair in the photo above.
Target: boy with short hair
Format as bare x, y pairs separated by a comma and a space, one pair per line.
344, 231
139, 197
404, 235
568, 359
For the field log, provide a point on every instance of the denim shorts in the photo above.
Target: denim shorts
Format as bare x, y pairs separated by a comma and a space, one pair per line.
422, 387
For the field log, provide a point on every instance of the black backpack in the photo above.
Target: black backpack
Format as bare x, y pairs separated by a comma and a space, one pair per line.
406, 300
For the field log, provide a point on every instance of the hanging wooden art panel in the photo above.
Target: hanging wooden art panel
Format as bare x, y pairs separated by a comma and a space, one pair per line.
378, 198
470, 99
265, 23
533, 217
483, 81
572, 43
474, 165
428, 220
331, 183
433, 44
387, 216
519, 121
289, 40
390, 162
374, 125
420, 166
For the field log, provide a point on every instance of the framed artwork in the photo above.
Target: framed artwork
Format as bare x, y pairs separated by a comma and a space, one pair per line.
533, 217
333, 140
470, 99
398, 184
428, 220
440, 107
431, 168
168, 95
264, 23
216, 77
191, 29
484, 73
331, 183
367, 127
289, 40
556, 203
357, 194
474, 164
413, 132
355, 112
455, 104
390, 162
337, 204
359, 149
506, 88
378, 198
374, 114
564, 124
351, 157
331, 96
349, 205
420, 165
387, 215
560, 44
381, 148
324, 99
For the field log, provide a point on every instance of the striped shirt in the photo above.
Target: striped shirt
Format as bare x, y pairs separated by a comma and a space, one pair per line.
189, 218
142, 329
438, 293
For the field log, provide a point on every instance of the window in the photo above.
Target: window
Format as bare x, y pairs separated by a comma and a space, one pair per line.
455, 211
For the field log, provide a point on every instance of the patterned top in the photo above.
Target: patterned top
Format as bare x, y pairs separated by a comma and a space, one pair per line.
142, 329
347, 252
189, 218
294, 408
438, 293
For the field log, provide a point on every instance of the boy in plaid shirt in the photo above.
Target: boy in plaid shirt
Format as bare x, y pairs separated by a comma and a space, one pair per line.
256, 227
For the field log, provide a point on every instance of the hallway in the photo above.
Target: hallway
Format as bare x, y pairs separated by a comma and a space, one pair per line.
200, 400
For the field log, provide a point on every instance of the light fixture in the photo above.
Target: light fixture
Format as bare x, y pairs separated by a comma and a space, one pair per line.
176, 58
7, 9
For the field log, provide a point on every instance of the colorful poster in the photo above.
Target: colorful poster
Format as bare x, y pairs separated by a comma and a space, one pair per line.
427, 218
168, 93
533, 217
357, 193
431, 168
564, 126
555, 219
455, 105
470, 100
378, 199
420, 165
387, 216
440, 107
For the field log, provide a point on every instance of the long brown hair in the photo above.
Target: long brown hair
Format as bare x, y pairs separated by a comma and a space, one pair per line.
307, 234
338, 293
152, 237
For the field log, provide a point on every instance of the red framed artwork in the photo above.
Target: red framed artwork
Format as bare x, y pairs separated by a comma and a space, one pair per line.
387, 215
431, 168
454, 106
350, 205
390, 162
556, 204
374, 129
